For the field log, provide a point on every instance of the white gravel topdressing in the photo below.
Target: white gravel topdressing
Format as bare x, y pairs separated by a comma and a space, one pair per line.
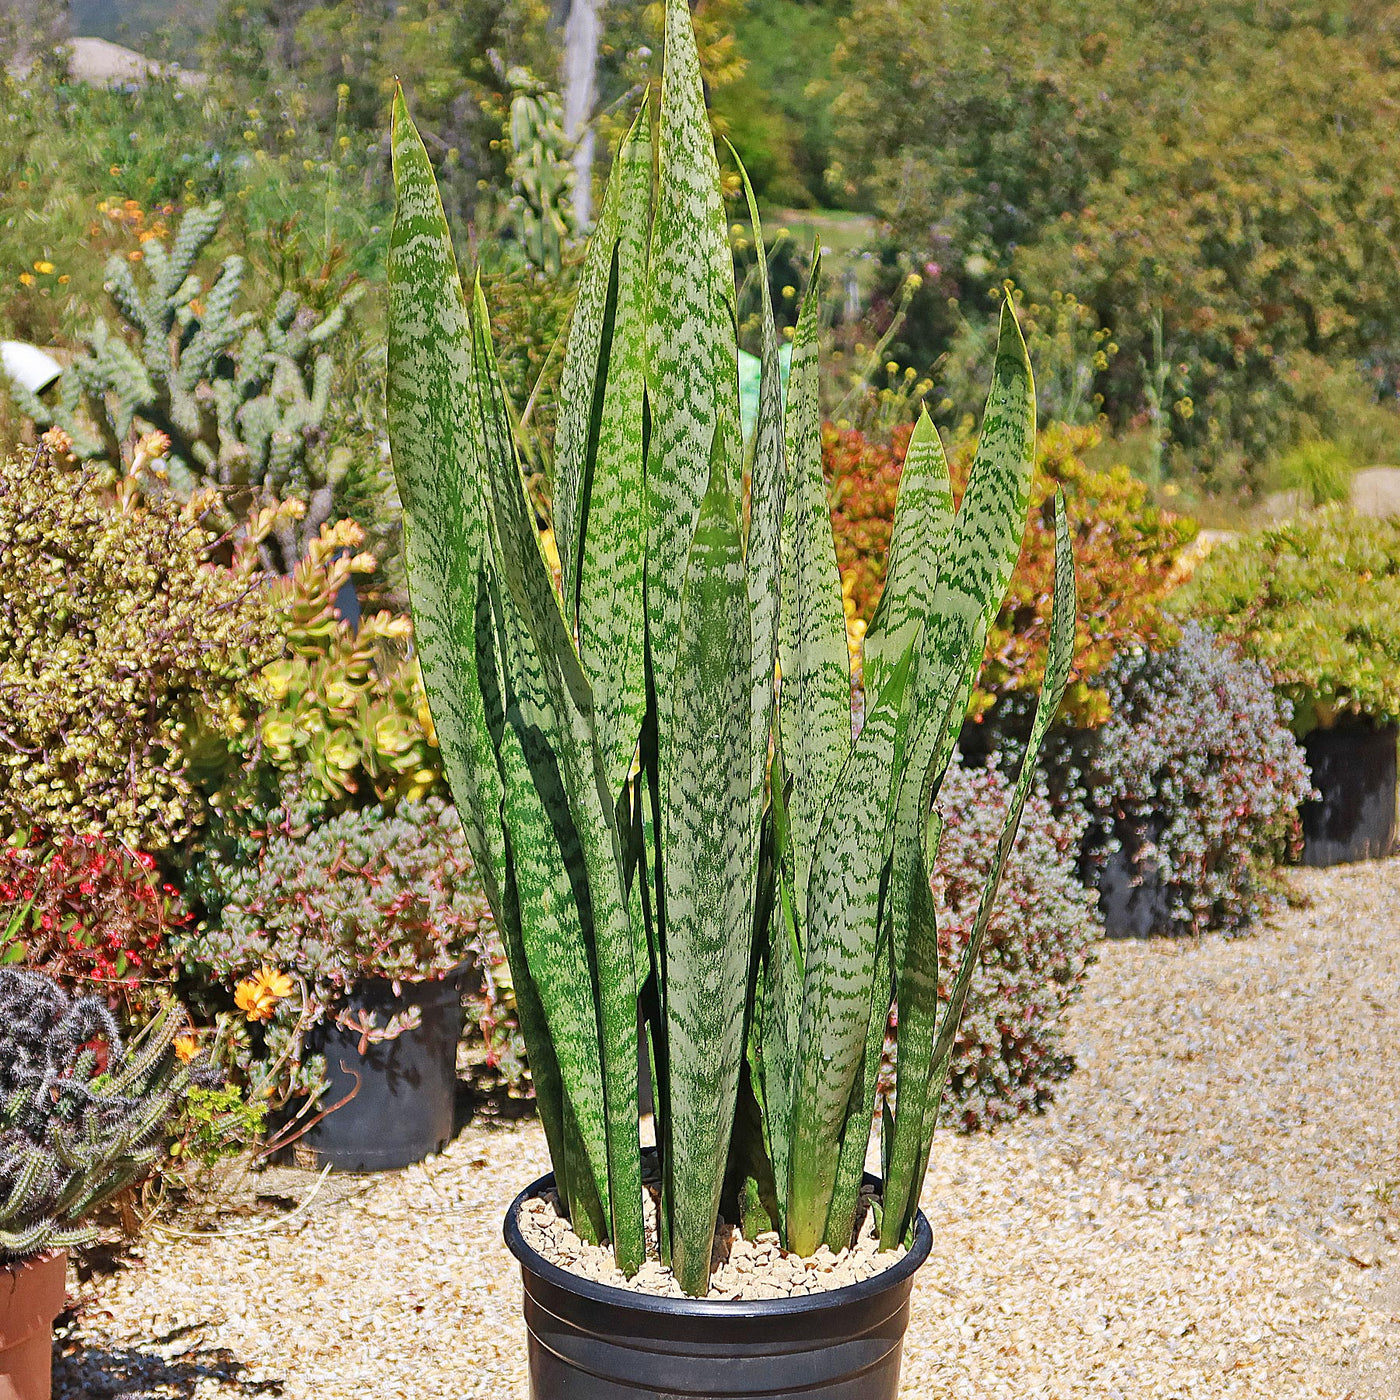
1210, 1209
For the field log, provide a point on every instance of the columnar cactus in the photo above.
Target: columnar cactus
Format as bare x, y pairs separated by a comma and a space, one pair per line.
81, 1115
242, 399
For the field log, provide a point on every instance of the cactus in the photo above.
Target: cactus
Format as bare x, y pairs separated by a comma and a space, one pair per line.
81, 1115
241, 398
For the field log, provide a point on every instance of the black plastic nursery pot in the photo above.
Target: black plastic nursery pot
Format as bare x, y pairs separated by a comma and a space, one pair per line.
1134, 900
399, 1095
1354, 768
589, 1341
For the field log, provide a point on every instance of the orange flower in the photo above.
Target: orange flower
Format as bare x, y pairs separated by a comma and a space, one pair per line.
186, 1047
257, 996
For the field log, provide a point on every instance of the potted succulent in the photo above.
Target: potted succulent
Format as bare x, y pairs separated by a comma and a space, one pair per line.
82, 1115
658, 825
346, 941
1317, 600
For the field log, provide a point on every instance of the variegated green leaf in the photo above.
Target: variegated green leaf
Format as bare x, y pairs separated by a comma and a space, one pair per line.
516, 553
547, 869
708, 872
599, 513
843, 929
814, 660
431, 392
910, 1156
973, 573
768, 493
923, 516
431, 387
860, 1112
693, 373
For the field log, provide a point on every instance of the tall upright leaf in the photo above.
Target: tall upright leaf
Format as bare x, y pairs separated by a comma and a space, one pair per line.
708, 873
599, 513
431, 395
843, 931
921, 1076
516, 551
974, 569
693, 374
768, 494
431, 390
814, 660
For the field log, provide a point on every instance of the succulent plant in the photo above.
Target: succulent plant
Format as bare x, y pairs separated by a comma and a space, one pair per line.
241, 399
82, 1114
609, 750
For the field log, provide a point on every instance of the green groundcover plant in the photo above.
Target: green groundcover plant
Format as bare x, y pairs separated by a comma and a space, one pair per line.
1317, 600
656, 823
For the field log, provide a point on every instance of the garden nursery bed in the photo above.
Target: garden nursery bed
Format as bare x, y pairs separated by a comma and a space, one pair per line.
1211, 1208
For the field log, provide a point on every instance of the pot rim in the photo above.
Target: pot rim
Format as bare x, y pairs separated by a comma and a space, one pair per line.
33, 1261
833, 1298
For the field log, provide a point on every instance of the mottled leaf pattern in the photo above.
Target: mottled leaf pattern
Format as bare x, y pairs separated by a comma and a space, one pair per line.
907, 1169
431, 395
923, 515
814, 660
693, 370
843, 926
600, 520
721, 892
767, 496
516, 550
708, 869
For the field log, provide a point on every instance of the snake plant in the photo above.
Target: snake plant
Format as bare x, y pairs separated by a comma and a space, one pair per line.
654, 760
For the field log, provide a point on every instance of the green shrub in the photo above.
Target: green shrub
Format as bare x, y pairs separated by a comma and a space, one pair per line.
298, 912
1317, 600
123, 649
1321, 470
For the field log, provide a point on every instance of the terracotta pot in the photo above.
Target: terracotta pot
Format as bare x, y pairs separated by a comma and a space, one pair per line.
31, 1296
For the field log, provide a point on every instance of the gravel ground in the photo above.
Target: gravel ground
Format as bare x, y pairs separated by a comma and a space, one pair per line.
1210, 1209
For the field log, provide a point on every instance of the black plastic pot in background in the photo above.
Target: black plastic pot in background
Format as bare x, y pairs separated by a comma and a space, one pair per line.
588, 1341
1353, 767
1135, 901
402, 1108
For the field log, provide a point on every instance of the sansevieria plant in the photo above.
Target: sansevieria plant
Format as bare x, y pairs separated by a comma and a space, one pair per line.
656, 770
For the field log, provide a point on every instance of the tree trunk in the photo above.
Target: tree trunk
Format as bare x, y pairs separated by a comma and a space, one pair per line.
581, 35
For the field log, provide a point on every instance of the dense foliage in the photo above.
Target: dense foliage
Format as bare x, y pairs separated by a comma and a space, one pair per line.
121, 646
1197, 780
1224, 168
298, 912
1126, 552
340, 719
82, 1114
1008, 1053
1317, 600
94, 917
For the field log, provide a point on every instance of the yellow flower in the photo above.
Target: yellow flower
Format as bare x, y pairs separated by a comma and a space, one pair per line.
27, 278
186, 1047
44, 267
257, 996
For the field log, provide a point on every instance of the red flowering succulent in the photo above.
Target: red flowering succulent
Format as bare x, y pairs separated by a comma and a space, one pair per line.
91, 915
